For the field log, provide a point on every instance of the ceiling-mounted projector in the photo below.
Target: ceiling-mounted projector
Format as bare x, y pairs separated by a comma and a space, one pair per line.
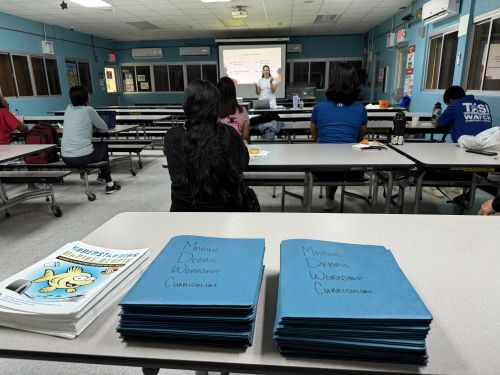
239, 12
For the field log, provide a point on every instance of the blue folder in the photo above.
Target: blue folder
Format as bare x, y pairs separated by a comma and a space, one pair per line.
201, 271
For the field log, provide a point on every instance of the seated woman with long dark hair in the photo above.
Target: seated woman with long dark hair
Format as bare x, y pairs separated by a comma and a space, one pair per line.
230, 112
206, 159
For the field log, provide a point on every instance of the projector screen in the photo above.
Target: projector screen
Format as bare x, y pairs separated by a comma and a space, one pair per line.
243, 64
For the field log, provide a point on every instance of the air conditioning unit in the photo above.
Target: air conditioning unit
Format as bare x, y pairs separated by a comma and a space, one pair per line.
437, 10
147, 53
47, 47
194, 51
294, 48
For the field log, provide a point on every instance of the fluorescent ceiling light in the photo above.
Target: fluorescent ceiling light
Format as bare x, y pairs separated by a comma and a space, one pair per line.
92, 3
215, 1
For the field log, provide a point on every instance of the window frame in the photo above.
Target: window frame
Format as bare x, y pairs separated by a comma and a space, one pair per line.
165, 63
488, 17
327, 62
29, 56
79, 60
440, 33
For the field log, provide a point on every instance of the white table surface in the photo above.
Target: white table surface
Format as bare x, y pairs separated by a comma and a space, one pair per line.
60, 118
446, 155
322, 157
452, 263
10, 152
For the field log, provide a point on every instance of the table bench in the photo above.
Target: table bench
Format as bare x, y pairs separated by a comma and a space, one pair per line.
22, 177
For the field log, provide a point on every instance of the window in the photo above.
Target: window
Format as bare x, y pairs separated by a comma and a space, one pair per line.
22, 74
79, 74
39, 75
209, 72
166, 77
484, 66
201, 71
143, 74
52, 76
84, 73
358, 65
176, 77
300, 73
7, 84
161, 77
441, 61
193, 72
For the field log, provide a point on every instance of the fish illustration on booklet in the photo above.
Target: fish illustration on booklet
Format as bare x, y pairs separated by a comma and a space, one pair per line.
69, 280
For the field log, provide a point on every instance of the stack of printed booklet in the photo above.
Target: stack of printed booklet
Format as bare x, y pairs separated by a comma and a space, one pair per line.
198, 290
348, 302
65, 292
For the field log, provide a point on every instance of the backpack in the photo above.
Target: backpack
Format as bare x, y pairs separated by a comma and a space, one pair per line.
42, 134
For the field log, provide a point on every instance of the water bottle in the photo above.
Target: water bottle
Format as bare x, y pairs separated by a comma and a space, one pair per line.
399, 129
436, 112
295, 101
301, 104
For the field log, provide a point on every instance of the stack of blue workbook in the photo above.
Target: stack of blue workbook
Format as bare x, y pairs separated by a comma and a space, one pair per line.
200, 290
350, 302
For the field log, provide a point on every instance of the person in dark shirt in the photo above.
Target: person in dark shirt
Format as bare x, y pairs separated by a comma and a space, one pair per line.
465, 115
205, 159
340, 118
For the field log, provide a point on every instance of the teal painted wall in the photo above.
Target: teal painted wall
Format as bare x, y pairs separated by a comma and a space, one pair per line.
422, 100
25, 36
312, 47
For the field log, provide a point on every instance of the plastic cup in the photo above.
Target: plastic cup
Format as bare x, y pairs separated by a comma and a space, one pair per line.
414, 120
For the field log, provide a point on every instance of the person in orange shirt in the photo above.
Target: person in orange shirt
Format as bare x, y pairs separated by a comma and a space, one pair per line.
9, 123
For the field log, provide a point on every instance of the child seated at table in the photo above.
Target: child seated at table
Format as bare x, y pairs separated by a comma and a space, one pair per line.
465, 115
77, 148
340, 119
230, 112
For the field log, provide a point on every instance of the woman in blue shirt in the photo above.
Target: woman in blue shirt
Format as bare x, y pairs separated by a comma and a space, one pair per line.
340, 119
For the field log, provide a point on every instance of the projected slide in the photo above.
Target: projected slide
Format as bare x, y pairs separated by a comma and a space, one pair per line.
244, 64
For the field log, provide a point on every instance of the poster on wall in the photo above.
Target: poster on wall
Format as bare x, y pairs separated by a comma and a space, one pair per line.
72, 73
410, 60
401, 35
408, 89
493, 63
110, 78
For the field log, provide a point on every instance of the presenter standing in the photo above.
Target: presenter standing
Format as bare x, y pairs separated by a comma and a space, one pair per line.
266, 87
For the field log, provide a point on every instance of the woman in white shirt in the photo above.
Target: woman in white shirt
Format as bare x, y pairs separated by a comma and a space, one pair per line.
266, 87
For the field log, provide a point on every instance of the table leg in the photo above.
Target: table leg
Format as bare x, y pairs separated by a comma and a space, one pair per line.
388, 196
418, 192
3, 193
150, 371
308, 194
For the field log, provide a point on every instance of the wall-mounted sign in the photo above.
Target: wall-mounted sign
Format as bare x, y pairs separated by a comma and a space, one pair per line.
391, 40
410, 60
401, 36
